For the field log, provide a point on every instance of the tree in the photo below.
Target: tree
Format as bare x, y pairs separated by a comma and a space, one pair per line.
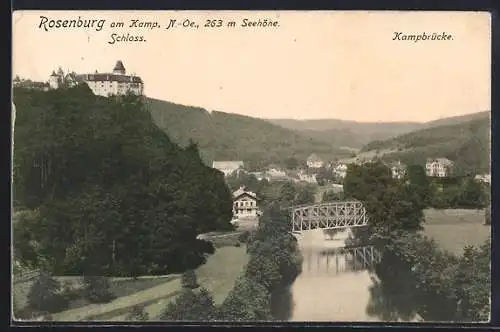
487, 215
189, 280
332, 196
391, 206
287, 193
97, 289
44, 295
305, 195
418, 182
137, 313
123, 169
291, 163
472, 195
472, 283
191, 306
247, 301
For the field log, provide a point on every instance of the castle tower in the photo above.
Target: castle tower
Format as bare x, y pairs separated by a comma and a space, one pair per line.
54, 80
119, 68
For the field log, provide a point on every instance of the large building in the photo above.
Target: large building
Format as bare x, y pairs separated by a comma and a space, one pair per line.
228, 167
102, 84
244, 204
439, 167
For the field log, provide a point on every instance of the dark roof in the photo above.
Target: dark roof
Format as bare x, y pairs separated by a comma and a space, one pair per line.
119, 66
110, 78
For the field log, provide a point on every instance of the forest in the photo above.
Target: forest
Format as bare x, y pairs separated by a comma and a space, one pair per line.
100, 190
225, 136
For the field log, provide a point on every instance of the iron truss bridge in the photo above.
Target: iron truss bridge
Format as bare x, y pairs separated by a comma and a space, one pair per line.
334, 215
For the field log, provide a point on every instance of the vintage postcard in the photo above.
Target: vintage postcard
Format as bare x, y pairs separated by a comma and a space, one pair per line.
225, 166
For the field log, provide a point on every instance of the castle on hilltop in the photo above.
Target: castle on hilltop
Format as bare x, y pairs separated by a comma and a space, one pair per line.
102, 84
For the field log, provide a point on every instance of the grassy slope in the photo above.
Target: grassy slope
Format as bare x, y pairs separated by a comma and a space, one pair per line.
217, 275
224, 136
453, 229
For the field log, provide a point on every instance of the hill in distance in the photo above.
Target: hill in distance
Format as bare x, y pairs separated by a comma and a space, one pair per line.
225, 136
465, 140
357, 134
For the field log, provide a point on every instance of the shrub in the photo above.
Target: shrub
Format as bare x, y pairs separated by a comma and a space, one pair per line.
96, 289
189, 280
243, 237
137, 313
191, 306
45, 296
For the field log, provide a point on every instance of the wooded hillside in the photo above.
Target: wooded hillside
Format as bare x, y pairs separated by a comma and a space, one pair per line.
224, 136
106, 191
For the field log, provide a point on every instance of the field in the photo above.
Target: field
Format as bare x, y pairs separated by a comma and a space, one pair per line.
453, 229
218, 275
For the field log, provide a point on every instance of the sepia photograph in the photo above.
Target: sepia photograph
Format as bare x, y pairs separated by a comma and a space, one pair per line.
251, 166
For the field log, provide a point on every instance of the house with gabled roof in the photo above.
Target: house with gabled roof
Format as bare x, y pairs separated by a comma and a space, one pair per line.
439, 167
245, 204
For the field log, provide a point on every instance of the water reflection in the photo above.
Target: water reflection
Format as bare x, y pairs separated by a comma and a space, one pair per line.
341, 283
333, 261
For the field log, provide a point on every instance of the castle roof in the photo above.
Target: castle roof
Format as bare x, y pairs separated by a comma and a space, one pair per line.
110, 78
119, 66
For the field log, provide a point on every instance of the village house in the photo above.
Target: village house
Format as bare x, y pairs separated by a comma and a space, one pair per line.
483, 178
340, 169
398, 170
244, 204
228, 167
102, 84
274, 173
313, 161
307, 177
439, 167
259, 175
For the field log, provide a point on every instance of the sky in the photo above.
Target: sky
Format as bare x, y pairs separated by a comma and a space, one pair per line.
313, 65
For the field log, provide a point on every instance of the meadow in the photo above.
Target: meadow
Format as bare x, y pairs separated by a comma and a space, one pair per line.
452, 229
218, 275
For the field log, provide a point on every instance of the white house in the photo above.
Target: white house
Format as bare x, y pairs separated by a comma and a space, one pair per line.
244, 204
340, 170
228, 167
313, 161
439, 167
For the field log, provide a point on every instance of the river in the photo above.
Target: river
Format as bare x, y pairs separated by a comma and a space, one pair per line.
335, 285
